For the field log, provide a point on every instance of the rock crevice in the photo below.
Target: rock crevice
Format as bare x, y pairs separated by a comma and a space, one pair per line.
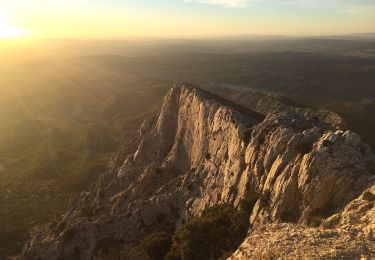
200, 151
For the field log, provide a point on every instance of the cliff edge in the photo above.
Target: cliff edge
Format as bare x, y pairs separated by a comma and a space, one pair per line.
202, 150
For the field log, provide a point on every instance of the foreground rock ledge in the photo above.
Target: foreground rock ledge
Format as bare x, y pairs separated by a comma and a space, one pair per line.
202, 150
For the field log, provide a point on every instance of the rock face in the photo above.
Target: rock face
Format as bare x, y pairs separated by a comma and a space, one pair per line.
346, 235
202, 150
273, 103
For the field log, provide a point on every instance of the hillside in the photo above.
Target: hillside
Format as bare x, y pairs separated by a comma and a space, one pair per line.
201, 151
57, 133
66, 106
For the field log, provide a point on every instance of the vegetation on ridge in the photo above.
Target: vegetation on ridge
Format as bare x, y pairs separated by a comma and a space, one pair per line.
215, 234
63, 116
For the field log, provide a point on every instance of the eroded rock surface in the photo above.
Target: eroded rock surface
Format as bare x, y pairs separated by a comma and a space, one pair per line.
202, 150
348, 234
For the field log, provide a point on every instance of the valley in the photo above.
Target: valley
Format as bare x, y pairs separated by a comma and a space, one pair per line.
64, 113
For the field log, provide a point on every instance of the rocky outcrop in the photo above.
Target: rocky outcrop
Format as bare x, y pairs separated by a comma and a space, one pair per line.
290, 241
348, 234
202, 150
271, 103
359, 214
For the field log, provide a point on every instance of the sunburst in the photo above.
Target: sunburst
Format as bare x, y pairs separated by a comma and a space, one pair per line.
8, 31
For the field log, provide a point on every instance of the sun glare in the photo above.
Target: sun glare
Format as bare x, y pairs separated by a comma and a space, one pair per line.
8, 31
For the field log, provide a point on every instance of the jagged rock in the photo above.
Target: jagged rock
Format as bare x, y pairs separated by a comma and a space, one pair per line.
359, 213
274, 103
348, 234
290, 241
202, 150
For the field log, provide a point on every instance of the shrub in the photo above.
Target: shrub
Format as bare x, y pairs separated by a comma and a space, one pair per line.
216, 233
154, 246
220, 229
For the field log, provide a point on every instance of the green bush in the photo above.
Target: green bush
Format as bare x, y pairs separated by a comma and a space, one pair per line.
154, 246
220, 229
216, 233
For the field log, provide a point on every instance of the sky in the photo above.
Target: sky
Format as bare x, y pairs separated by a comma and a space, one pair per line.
117, 19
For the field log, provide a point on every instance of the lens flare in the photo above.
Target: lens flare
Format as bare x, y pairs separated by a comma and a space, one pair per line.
8, 31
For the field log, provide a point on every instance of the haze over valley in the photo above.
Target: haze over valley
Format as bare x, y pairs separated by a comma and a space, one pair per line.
64, 115
183, 129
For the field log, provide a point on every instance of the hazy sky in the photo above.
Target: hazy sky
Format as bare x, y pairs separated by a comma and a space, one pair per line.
184, 18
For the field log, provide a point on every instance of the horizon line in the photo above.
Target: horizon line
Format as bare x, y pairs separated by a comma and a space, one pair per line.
225, 36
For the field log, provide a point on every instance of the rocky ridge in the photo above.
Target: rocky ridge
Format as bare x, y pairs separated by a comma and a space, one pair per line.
267, 103
202, 150
348, 234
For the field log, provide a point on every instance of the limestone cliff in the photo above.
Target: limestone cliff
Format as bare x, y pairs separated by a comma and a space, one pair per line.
348, 234
202, 150
266, 103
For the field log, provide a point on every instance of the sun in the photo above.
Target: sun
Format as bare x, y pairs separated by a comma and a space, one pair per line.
8, 31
